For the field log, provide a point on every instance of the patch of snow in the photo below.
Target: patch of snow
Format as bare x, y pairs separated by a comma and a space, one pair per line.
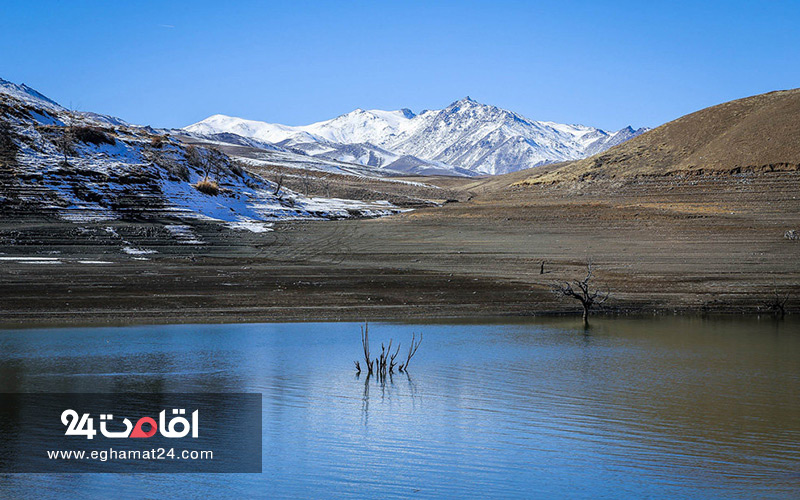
249, 225
137, 251
184, 234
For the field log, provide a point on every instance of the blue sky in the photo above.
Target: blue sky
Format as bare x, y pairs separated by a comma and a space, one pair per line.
607, 64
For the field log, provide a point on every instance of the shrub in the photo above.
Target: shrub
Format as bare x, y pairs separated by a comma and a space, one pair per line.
8, 148
157, 141
92, 135
237, 168
208, 187
176, 169
194, 157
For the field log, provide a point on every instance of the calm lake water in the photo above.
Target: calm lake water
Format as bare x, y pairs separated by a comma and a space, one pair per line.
657, 408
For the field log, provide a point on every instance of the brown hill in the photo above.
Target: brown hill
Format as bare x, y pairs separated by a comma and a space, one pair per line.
759, 133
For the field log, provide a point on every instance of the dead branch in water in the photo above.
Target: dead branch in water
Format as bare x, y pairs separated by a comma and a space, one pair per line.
365, 345
384, 364
412, 350
392, 362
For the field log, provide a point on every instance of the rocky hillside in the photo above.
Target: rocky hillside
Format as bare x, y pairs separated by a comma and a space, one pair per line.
83, 166
754, 134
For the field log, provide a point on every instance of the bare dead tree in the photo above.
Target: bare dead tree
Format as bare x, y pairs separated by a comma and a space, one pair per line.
65, 142
777, 304
214, 163
278, 185
195, 157
582, 291
412, 350
305, 179
211, 161
326, 185
8, 148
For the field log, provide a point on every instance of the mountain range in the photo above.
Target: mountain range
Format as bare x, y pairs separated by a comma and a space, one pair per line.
465, 138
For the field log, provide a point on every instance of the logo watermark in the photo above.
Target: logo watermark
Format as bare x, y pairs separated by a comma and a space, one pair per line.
158, 432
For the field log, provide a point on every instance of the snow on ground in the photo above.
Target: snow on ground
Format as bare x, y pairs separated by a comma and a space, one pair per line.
126, 175
184, 234
253, 227
51, 260
137, 251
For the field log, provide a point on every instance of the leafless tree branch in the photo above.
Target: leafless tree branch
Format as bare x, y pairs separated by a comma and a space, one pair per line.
582, 291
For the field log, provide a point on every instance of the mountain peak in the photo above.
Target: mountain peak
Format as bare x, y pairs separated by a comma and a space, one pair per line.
466, 135
465, 101
29, 95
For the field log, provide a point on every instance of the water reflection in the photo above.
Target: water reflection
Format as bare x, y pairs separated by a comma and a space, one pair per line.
669, 407
386, 384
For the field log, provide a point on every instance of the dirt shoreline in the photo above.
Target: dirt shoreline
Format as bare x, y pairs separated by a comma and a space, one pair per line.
706, 246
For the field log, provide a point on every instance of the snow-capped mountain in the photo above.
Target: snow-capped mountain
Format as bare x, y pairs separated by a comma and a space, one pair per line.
466, 137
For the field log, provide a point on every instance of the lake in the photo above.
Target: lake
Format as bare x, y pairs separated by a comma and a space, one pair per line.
666, 407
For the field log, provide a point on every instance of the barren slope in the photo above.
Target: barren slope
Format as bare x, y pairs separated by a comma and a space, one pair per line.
759, 133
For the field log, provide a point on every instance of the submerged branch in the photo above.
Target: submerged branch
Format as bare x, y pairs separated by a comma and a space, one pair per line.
384, 364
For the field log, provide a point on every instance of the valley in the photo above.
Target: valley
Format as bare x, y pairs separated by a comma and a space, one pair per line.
671, 220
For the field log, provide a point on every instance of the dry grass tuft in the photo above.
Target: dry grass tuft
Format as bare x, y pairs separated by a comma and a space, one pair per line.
208, 187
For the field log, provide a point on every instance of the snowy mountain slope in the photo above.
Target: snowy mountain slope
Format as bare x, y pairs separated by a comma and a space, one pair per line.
363, 126
266, 132
28, 96
358, 126
322, 154
465, 137
78, 167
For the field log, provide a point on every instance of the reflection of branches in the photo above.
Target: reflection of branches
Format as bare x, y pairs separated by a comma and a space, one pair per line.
412, 387
365, 400
386, 391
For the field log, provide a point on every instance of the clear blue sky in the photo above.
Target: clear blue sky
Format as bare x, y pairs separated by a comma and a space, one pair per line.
607, 64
